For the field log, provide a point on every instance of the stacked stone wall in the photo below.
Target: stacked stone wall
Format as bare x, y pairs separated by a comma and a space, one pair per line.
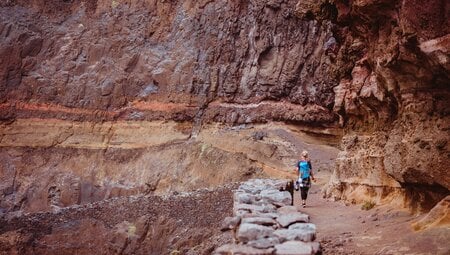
265, 221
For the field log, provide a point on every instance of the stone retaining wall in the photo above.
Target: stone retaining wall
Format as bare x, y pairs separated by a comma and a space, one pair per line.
265, 222
183, 223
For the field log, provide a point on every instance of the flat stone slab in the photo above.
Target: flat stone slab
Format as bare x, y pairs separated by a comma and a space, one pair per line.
294, 248
249, 232
287, 209
245, 198
276, 197
264, 221
264, 243
256, 186
265, 215
303, 226
256, 208
305, 234
241, 249
288, 219
264, 183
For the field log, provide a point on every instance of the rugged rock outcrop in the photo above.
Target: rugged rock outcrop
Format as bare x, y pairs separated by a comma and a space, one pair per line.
150, 60
379, 70
393, 99
439, 216
103, 99
100, 99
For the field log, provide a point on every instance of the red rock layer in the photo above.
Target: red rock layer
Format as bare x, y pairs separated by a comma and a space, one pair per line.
379, 69
108, 57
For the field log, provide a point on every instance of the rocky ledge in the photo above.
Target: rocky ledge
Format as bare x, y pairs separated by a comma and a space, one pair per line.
265, 222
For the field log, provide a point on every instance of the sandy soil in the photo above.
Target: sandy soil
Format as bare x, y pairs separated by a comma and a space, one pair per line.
347, 229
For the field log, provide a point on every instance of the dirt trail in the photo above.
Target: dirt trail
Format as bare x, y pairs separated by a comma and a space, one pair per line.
347, 229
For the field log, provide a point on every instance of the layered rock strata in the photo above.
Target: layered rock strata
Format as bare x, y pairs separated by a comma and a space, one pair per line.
154, 60
265, 222
46, 165
100, 99
379, 70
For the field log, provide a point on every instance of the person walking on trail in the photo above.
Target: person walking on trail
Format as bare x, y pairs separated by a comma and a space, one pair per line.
305, 174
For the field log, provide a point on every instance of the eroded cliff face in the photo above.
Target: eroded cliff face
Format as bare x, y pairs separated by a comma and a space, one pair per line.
394, 102
105, 101
111, 98
171, 60
92, 91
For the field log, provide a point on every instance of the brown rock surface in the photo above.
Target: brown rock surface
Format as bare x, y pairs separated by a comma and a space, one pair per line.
109, 59
439, 216
231, 62
60, 163
393, 102
105, 98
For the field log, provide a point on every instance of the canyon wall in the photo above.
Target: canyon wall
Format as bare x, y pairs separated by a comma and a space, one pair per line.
101, 99
394, 101
232, 62
107, 98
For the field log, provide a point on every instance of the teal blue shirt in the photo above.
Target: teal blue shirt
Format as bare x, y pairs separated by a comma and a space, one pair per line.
304, 167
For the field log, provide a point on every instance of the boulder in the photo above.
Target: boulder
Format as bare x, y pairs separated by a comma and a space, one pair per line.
230, 223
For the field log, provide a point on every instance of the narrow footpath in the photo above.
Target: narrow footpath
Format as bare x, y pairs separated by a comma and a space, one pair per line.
347, 229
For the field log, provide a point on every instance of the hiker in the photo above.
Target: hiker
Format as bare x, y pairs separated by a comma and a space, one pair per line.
305, 175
